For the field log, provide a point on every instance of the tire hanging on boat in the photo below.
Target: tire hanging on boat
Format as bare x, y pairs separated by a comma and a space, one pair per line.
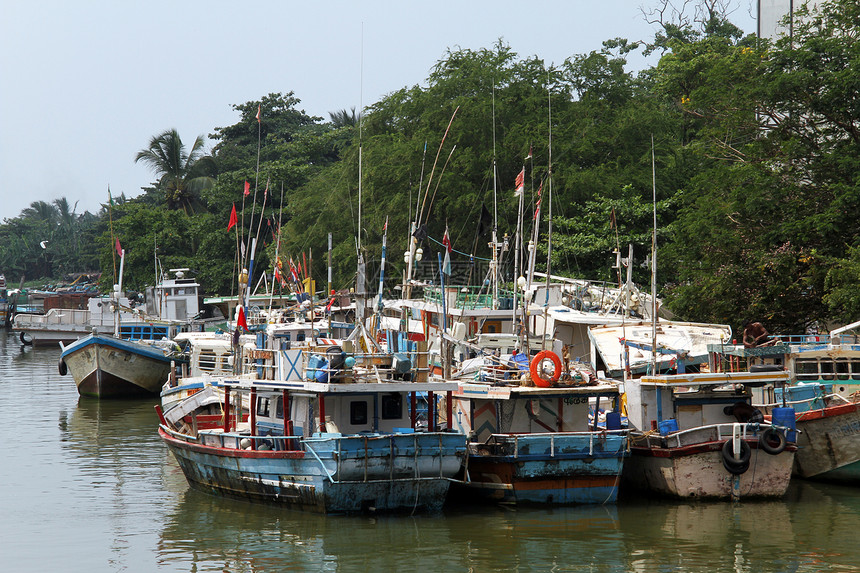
536, 370
739, 465
61, 367
772, 441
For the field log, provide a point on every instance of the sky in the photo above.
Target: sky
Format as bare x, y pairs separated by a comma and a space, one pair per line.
85, 85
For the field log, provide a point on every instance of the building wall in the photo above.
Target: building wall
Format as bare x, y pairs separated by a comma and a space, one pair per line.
771, 12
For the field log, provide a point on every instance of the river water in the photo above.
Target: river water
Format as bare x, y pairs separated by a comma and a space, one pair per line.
86, 485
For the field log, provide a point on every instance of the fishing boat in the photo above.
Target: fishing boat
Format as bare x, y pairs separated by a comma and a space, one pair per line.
332, 433
540, 445
104, 366
698, 436
107, 366
824, 375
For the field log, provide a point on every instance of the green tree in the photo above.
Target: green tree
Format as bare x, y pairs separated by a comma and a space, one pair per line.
182, 173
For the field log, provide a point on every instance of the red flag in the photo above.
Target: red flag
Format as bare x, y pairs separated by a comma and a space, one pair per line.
446, 240
529, 156
233, 218
258, 113
537, 205
118, 247
520, 182
240, 318
247, 188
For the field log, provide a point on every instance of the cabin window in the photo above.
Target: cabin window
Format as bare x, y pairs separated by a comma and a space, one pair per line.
207, 360
807, 370
392, 406
263, 407
855, 369
842, 369
279, 408
358, 413
827, 369
300, 337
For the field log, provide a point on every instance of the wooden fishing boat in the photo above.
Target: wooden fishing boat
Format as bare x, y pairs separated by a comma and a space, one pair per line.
824, 373
537, 445
104, 366
331, 434
697, 437
829, 439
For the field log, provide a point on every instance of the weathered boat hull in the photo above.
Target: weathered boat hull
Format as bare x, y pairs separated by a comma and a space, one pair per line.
697, 471
559, 469
106, 367
829, 444
330, 475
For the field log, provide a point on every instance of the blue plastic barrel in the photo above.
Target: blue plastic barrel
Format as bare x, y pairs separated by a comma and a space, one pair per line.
785, 417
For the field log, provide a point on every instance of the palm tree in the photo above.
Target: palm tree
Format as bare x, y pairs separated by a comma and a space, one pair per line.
343, 118
182, 174
40, 211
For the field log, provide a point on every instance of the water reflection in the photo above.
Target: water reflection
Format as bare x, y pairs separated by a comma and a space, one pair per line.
209, 533
93, 478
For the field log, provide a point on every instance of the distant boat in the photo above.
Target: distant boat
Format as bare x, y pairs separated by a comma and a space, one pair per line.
4, 302
104, 366
171, 307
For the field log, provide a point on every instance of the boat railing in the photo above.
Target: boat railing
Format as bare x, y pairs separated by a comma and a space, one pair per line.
720, 432
468, 297
818, 401
52, 317
502, 441
815, 339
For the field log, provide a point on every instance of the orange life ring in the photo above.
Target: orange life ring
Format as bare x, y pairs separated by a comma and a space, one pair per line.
536, 370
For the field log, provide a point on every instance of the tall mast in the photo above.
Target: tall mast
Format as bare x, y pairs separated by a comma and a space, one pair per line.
653, 264
495, 211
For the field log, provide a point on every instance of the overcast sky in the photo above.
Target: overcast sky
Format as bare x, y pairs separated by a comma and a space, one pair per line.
84, 85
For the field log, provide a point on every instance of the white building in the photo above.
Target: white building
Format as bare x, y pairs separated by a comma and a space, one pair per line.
771, 13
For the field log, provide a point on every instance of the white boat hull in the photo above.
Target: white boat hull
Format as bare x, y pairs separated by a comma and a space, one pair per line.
698, 472
105, 367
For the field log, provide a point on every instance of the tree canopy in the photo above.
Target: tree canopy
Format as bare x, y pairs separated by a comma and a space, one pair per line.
755, 146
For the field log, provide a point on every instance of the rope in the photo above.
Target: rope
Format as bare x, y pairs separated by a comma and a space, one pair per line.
458, 252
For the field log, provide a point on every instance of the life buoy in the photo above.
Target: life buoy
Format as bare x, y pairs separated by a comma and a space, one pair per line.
536, 368
61, 367
772, 441
739, 465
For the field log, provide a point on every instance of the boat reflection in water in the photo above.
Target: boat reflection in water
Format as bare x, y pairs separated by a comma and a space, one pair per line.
208, 533
808, 530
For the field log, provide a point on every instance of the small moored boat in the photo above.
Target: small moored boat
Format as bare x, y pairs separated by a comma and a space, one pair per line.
105, 366
698, 436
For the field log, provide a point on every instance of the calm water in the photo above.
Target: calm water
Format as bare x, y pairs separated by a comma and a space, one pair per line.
87, 486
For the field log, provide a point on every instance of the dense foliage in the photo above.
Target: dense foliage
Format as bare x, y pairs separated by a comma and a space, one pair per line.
756, 151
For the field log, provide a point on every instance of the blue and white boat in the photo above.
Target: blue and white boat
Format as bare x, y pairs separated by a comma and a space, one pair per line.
335, 432
540, 444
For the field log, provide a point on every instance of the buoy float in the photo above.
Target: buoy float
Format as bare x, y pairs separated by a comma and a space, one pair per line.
536, 368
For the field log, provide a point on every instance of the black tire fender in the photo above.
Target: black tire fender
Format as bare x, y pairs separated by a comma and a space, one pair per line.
736, 466
61, 367
768, 437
